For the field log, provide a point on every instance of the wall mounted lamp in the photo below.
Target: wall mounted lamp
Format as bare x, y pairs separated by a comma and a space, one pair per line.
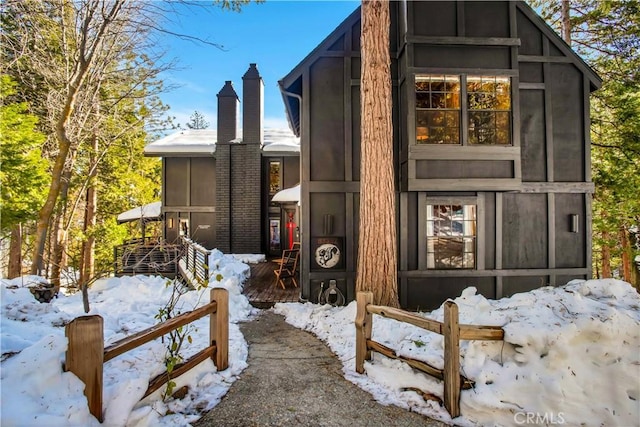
170, 222
574, 223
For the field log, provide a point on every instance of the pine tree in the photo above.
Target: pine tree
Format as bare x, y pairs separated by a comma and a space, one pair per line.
377, 256
197, 121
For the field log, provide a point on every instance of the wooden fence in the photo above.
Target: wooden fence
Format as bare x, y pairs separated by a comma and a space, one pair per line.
86, 353
194, 262
452, 331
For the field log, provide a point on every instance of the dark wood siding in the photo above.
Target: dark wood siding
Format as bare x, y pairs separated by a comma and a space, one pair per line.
429, 293
568, 131
176, 182
524, 234
204, 228
569, 246
327, 128
530, 36
477, 14
532, 135
525, 191
203, 181
488, 57
434, 18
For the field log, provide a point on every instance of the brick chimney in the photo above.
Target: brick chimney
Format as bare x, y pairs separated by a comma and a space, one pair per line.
227, 113
252, 106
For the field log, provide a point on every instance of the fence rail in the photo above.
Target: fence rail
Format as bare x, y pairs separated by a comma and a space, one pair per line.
450, 328
86, 354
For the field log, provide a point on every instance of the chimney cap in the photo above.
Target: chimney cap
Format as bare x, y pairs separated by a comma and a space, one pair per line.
252, 72
228, 90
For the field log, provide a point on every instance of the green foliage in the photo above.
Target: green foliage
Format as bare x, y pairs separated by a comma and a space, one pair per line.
173, 356
23, 171
606, 33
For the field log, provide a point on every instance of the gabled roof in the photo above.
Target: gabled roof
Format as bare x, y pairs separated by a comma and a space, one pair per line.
557, 41
291, 84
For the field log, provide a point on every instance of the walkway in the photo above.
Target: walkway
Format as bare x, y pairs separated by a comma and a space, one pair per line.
293, 379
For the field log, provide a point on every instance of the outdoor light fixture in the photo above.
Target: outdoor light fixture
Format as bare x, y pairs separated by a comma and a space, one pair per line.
574, 222
327, 225
170, 222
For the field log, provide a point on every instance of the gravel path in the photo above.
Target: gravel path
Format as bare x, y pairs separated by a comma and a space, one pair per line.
293, 379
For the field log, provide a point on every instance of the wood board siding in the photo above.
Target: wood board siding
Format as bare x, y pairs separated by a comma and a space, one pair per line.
527, 191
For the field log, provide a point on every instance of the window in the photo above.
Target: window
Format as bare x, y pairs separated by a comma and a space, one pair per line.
489, 103
438, 110
275, 181
443, 101
451, 236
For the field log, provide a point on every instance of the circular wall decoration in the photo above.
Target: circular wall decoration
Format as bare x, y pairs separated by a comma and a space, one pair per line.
327, 255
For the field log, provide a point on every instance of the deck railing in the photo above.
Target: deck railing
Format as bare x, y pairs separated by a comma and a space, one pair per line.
452, 331
86, 354
145, 257
194, 262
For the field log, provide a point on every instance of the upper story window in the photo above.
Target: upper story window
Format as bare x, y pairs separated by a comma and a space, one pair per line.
466, 110
438, 109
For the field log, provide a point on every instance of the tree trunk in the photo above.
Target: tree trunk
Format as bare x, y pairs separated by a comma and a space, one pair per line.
377, 255
88, 246
566, 21
59, 244
15, 252
627, 254
606, 256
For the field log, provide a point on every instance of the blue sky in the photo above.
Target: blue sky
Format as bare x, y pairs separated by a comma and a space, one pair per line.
276, 35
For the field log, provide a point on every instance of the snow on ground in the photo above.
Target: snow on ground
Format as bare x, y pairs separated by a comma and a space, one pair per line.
36, 391
571, 356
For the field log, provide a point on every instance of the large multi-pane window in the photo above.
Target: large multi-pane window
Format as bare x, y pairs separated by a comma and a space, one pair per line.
441, 101
451, 236
489, 104
438, 109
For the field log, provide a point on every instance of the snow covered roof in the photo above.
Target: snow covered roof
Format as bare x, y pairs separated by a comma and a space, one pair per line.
202, 142
287, 195
190, 141
150, 211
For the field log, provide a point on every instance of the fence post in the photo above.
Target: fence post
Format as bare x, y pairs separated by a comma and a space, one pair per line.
85, 357
219, 328
451, 359
364, 323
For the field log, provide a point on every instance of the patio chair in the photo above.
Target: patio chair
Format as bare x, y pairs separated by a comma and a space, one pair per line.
287, 267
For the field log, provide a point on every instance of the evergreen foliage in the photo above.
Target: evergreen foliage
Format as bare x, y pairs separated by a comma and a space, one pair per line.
23, 171
607, 34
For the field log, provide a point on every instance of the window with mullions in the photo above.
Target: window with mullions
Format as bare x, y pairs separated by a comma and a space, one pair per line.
451, 236
275, 178
441, 100
438, 109
489, 105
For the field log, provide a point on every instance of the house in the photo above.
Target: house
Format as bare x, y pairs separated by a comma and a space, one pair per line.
491, 152
217, 185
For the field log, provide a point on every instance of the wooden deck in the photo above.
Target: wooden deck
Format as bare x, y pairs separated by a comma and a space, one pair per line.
261, 289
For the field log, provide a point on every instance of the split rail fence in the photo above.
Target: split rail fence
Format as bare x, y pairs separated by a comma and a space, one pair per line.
86, 354
451, 329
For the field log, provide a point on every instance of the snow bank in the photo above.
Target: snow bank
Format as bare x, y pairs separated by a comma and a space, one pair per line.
36, 391
571, 355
